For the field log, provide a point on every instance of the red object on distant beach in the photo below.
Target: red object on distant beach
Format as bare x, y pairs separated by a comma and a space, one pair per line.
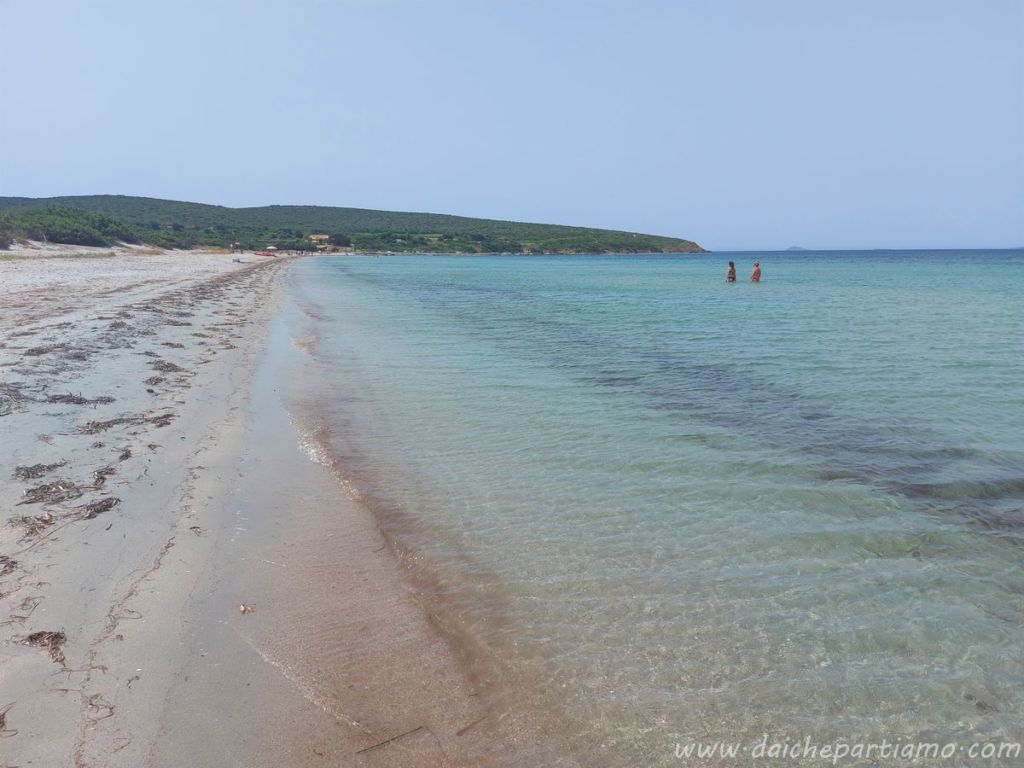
266, 253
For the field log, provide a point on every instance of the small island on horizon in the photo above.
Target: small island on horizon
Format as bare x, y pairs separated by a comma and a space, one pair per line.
105, 220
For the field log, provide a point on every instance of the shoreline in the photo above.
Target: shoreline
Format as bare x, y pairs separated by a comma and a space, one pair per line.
142, 392
418, 688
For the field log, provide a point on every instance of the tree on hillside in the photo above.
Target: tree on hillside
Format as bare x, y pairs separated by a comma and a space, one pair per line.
341, 240
8, 231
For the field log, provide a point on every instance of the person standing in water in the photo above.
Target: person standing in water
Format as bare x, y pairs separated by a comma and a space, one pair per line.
755, 276
730, 273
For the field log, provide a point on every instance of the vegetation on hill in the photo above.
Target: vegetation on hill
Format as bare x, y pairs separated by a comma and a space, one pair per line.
69, 225
103, 219
8, 231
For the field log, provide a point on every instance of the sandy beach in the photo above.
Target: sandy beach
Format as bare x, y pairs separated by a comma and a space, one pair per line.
179, 583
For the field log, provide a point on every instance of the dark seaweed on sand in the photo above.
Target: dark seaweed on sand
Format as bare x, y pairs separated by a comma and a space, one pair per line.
49, 641
95, 427
33, 525
97, 508
79, 400
45, 349
35, 471
51, 493
6, 732
100, 476
166, 366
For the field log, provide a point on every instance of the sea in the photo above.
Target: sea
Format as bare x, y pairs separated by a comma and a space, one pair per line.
670, 511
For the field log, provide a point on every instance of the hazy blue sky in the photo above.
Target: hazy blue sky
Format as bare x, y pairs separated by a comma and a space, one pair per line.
739, 124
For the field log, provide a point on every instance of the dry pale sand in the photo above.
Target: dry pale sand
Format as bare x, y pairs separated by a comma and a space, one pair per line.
153, 486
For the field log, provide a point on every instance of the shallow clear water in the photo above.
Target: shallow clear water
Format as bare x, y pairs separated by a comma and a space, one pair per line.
677, 509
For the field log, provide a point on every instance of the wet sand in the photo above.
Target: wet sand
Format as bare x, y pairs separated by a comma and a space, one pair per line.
180, 584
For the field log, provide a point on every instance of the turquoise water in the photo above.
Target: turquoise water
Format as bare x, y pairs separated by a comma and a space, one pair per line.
669, 509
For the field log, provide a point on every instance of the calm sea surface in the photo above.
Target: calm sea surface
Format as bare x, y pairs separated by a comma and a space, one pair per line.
676, 509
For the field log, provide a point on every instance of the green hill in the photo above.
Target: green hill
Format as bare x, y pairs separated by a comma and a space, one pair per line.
174, 224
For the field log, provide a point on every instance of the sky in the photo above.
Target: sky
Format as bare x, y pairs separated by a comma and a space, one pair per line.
741, 124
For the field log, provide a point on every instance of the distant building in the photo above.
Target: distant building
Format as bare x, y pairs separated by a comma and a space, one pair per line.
319, 238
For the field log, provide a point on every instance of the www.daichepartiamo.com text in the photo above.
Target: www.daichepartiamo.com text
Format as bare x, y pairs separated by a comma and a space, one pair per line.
835, 752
